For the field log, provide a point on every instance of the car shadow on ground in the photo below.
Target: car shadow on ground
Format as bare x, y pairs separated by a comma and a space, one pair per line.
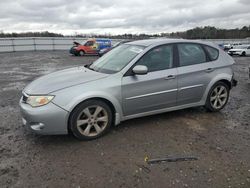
140, 123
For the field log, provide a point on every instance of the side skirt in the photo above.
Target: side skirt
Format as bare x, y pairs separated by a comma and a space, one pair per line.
163, 110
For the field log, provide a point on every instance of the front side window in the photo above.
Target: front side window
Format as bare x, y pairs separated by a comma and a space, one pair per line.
213, 53
190, 54
159, 58
89, 43
115, 60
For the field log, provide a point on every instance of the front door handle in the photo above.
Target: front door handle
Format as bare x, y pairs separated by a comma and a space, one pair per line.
169, 77
209, 70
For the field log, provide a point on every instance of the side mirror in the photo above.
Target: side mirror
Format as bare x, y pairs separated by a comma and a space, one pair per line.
140, 69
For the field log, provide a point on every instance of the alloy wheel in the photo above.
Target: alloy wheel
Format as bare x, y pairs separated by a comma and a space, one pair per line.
92, 121
218, 97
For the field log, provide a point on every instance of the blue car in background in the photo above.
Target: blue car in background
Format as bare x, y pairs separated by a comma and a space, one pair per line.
105, 50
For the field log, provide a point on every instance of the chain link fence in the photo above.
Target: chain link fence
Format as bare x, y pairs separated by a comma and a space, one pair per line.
65, 43
39, 43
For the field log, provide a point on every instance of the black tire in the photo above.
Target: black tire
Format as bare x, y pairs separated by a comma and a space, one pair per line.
211, 107
76, 113
243, 54
81, 53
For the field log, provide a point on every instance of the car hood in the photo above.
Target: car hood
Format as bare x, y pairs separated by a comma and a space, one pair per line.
236, 50
62, 79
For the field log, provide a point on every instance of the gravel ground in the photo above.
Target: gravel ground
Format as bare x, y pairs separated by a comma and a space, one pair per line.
220, 140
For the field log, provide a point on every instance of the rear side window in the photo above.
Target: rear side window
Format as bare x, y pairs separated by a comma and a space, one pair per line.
190, 54
89, 43
212, 52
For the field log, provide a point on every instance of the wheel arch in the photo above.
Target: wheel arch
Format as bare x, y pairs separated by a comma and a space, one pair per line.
81, 50
226, 78
227, 82
116, 111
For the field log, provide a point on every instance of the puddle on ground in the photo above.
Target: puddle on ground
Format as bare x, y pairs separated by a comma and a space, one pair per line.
193, 124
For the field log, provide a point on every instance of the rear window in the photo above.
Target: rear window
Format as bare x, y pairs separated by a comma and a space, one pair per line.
191, 54
212, 52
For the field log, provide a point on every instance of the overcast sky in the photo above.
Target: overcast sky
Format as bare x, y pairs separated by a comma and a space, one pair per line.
120, 16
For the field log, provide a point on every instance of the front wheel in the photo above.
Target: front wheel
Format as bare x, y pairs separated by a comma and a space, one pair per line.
243, 54
217, 97
90, 119
81, 53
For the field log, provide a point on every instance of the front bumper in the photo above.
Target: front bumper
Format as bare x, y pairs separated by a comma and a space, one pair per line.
47, 120
234, 52
73, 51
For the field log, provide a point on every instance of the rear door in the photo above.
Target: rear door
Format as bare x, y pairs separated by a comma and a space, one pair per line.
155, 90
195, 71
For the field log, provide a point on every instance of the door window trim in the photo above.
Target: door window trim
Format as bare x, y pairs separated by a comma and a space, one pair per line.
202, 47
208, 55
174, 64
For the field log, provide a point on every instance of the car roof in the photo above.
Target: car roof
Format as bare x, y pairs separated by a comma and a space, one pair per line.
149, 42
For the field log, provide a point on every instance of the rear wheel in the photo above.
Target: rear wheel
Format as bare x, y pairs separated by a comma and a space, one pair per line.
90, 120
217, 97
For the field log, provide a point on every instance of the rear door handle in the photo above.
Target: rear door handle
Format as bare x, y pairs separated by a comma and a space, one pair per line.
169, 77
209, 70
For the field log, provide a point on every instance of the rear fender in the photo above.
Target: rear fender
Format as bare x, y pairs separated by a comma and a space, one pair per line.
218, 78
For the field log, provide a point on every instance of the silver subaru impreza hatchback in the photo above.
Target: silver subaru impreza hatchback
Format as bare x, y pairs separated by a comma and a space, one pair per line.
136, 79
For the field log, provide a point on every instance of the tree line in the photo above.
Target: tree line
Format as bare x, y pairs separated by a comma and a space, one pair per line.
207, 32
30, 34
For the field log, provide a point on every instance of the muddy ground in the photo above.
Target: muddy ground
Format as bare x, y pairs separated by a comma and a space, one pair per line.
221, 140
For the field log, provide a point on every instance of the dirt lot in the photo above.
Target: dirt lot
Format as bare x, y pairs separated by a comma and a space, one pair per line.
221, 140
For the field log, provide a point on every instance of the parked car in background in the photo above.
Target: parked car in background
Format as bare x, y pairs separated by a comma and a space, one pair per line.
105, 50
135, 79
221, 46
231, 46
92, 46
241, 50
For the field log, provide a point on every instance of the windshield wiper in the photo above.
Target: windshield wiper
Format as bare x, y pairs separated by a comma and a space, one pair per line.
88, 66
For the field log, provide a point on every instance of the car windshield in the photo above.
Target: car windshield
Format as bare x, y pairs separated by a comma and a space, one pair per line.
117, 44
116, 59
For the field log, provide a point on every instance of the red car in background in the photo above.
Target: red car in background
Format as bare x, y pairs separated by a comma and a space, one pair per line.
92, 46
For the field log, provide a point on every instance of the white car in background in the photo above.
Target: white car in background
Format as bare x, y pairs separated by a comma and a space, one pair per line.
231, 46
241, 50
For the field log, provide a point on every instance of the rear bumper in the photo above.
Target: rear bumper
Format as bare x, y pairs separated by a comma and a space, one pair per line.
249, 72
234, 82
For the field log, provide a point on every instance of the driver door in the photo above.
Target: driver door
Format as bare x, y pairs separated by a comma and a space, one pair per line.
155, 90
89, 47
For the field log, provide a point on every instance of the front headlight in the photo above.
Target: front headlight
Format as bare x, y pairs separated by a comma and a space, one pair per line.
36, 101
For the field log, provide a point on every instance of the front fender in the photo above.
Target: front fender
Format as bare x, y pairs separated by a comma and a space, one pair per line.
91, 95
